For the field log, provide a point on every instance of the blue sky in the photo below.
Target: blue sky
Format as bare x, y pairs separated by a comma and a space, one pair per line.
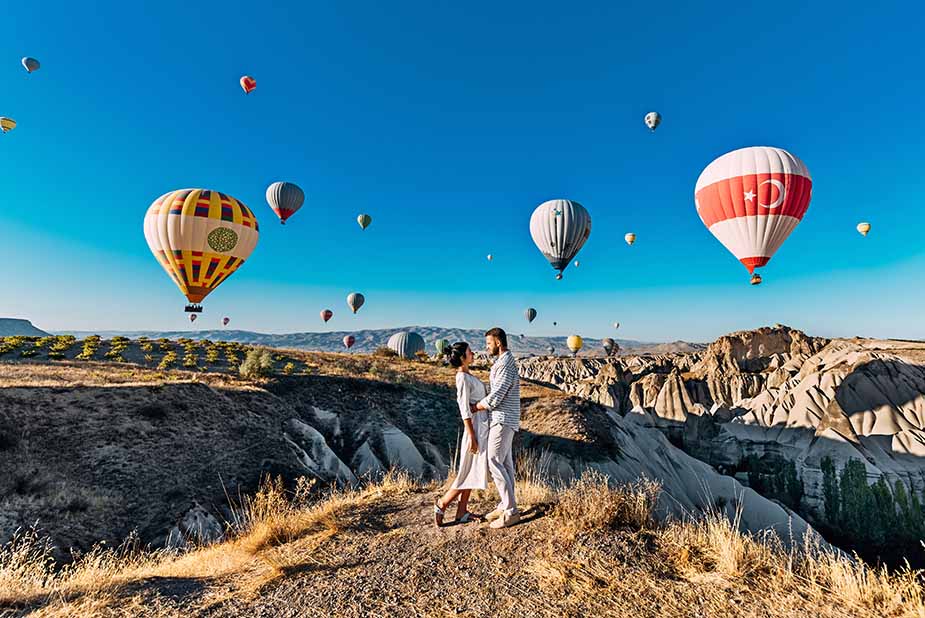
449, 123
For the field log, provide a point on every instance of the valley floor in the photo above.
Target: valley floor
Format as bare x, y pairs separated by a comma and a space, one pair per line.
588, 549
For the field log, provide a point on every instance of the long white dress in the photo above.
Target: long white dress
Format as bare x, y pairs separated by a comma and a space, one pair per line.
472, 471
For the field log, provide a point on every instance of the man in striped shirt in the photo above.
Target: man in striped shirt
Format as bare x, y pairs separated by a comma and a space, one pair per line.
503, 402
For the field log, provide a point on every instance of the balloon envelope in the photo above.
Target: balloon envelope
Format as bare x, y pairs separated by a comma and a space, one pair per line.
653, 119
200, 237
364, 221
630, 238
248, 83
193, 316
608, 344
326, 314
406, 344
559, 229
285, 198
530, 314
751, 199
574, 343
863, 228
442, 346
225, 321
355, 300
31, 64
7, 124
349, 340
616, 325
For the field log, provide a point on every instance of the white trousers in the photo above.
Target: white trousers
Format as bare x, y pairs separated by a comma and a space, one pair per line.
501, 465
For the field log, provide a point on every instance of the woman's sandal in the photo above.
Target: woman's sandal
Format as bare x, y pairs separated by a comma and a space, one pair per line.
468, 517
438, 513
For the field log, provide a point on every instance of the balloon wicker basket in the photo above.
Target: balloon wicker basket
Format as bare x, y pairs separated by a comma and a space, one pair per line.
193, 309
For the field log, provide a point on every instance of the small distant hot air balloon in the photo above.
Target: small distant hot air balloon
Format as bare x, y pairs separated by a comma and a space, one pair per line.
653, 119
442, 346
248, 83
406, 344
193, 316
608, 344
326, 314
555, 323
7, 124
530, 314
577, 263
285, 198
574, 343
364, 221
756, 279
559, 229
200, 237
863, 228
490, 258
630, 239
225, 321
551, 349
31, 64
751, 199
349, 340
355, 300
616, 325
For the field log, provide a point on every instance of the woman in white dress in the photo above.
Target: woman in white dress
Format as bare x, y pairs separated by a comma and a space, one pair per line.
472, 471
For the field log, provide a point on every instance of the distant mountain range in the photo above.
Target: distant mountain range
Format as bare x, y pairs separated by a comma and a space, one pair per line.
369, 340
14, 327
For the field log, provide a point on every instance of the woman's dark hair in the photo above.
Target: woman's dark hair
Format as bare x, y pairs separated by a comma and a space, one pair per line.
457, 353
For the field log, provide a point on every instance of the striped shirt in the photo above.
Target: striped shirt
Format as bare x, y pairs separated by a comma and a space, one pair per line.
504, 397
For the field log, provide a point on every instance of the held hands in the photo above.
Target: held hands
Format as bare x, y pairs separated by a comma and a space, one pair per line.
473, 447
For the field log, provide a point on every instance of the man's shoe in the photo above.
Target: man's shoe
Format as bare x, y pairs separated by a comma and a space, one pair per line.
494, 515
506, 521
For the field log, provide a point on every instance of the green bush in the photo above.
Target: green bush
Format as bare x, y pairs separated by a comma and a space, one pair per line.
288, 368
90, 346
28, 353
258, 363
167, 361
385, 352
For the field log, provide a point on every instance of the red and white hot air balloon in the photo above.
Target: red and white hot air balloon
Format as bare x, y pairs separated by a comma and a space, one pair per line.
326, 314
248, 83
751, 199
349, 340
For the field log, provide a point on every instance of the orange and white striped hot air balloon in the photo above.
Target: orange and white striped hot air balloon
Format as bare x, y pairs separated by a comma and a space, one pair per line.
200, 237
751, 199
248, 83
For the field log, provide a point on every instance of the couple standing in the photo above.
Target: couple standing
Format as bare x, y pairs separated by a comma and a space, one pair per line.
491, 418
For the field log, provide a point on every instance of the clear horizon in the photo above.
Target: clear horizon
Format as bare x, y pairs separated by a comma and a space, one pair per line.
449, 135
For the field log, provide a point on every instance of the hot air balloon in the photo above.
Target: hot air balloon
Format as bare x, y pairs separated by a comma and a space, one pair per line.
285, 198
406, 344
364, 221
616, 325
551, 349
630, 239
577, 263
355, 300
653, 119
225, 321
530, 314
349, 340
31, 64
490, 258
442, 346
863, 228
555, 323
751, 199
608, 344
574, 343
248, 83
560, 228
7, 124
193, 316
756, 279
326, 314
200, 237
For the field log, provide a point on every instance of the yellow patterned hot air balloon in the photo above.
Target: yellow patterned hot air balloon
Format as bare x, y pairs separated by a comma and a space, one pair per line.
574, 343
200, 237
7, 124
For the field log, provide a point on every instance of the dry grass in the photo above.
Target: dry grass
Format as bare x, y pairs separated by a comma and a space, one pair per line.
599, 552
